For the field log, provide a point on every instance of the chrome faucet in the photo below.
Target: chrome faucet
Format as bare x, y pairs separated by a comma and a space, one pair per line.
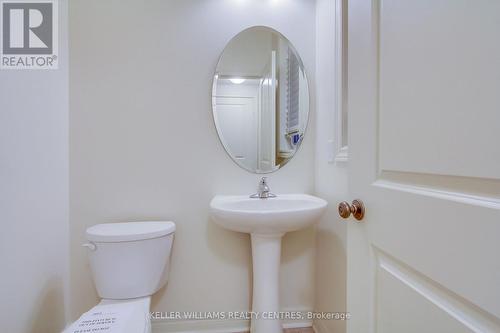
263, 190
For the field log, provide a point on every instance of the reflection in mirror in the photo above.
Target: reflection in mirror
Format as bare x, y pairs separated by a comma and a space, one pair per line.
260, 100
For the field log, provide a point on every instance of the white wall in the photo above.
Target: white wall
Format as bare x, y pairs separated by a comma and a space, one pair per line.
143, 144
331, 179
34, 195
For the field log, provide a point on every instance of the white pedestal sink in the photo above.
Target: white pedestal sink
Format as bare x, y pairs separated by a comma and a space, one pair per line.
267, 220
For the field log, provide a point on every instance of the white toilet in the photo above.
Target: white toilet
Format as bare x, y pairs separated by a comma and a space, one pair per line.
130, 262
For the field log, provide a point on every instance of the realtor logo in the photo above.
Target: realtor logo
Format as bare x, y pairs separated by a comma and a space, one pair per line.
29, 34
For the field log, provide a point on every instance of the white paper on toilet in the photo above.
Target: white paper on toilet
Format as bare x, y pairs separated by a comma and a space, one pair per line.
105, 318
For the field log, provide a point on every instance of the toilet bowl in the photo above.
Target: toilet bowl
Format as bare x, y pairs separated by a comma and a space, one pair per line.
129, 262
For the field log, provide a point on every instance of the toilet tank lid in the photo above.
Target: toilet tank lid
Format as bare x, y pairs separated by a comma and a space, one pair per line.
129, 231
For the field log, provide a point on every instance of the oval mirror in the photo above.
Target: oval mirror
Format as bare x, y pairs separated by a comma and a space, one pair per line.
260, 99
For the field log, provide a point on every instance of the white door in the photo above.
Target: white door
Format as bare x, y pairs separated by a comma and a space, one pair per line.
236, 119
267, 118
424, 145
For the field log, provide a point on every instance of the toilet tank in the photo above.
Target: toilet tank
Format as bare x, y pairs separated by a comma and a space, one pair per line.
130, 259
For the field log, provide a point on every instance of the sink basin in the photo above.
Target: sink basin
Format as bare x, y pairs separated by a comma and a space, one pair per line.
267, 220
284, 213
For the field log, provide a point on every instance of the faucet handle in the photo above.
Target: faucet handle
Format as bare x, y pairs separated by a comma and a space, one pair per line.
263, 190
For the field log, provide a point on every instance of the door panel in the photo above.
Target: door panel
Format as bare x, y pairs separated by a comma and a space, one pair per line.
237, 119
439, 83
404, 308
424, 129
411, 302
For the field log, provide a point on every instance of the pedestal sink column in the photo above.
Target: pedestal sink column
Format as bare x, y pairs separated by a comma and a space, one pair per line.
267, 220
266, 253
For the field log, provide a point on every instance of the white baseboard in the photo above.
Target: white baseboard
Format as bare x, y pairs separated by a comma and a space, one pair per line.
213, 326
298, 324
319, 327
198, 326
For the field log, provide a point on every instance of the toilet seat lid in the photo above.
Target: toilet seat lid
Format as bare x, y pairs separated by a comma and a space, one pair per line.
129, 231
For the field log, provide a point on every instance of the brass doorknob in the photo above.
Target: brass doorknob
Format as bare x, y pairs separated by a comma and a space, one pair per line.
357, 209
